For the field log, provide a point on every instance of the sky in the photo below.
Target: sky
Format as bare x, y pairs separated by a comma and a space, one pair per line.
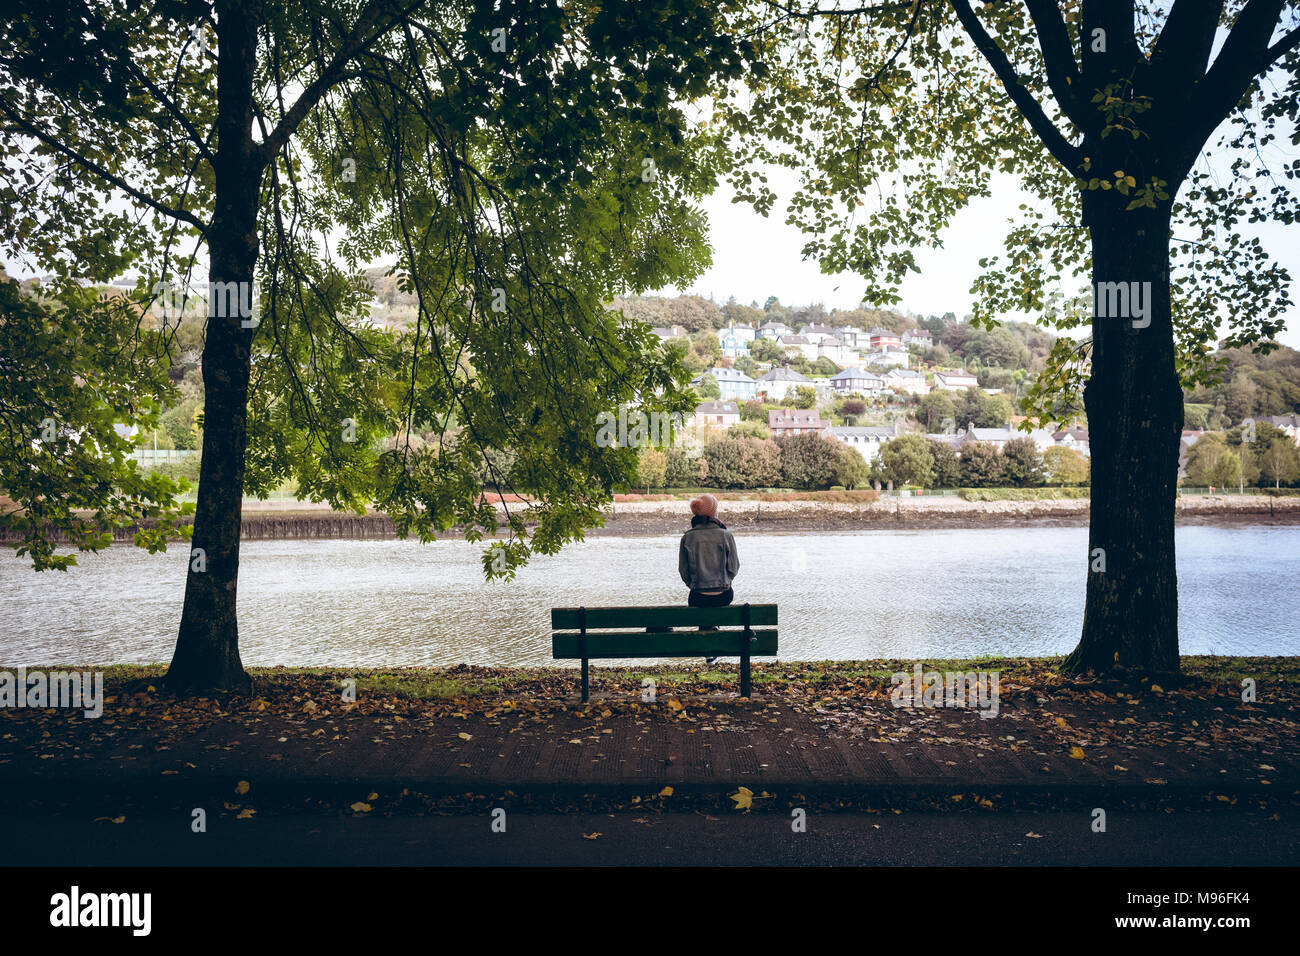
754, 257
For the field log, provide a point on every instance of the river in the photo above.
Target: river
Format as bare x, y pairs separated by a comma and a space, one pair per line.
842, 596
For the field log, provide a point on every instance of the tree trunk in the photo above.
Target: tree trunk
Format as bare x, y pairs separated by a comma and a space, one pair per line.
207, 647
1135, 418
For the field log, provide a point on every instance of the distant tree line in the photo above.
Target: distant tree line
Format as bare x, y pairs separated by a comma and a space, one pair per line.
1269, 460
806, 462
931, 463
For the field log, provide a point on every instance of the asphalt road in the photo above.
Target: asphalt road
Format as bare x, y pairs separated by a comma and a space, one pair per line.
1236, 837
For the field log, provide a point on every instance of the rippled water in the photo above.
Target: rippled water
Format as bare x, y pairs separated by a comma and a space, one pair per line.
843, 596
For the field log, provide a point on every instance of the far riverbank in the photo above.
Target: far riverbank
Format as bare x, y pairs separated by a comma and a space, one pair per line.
790, 512
648, 516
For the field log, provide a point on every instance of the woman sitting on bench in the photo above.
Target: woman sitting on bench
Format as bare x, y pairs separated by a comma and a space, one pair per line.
707, 558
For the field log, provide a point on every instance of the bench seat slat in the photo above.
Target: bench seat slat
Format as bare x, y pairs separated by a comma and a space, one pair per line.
566, 618
615, 644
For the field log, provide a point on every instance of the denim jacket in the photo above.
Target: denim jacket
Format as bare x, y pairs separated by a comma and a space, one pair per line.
707, 558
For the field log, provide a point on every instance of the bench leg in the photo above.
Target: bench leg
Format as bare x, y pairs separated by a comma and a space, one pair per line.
585, 681
744, 673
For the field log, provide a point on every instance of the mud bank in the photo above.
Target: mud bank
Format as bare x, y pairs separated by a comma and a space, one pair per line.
630, 518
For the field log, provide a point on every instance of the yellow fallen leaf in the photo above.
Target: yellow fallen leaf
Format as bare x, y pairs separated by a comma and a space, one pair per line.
1076, 753
373, 796
464, 736
245, 814
591, 836
121, 819
1036, 836
241, 788
666, 792
360, 807
675, 705
744, 798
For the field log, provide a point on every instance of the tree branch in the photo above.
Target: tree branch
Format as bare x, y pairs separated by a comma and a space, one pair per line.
1182, 52
1058, 54
182, 215
356, 41
1067, 154
1245, 54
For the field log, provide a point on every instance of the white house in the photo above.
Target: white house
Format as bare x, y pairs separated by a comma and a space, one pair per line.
1076, 437
855, 380
781, 383
733, 346
817, 333
917, 337
855, 337
866, 440
716, 414
954, 381
670, 332
998, 437
733, 384
773, 330
907, 380
804, 345
891, 356
744, 332
1289, 424
838, 351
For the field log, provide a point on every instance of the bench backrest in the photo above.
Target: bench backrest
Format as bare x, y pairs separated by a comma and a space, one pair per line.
604, 638
671, 615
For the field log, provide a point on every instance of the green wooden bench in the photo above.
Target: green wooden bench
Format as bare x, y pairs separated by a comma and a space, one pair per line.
586, 633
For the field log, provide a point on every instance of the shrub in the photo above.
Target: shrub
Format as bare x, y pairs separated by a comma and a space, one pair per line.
1021, 494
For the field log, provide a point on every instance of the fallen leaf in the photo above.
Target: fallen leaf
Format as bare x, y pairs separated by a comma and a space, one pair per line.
242, 787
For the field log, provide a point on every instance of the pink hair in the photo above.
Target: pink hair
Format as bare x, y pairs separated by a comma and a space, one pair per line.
704, 505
